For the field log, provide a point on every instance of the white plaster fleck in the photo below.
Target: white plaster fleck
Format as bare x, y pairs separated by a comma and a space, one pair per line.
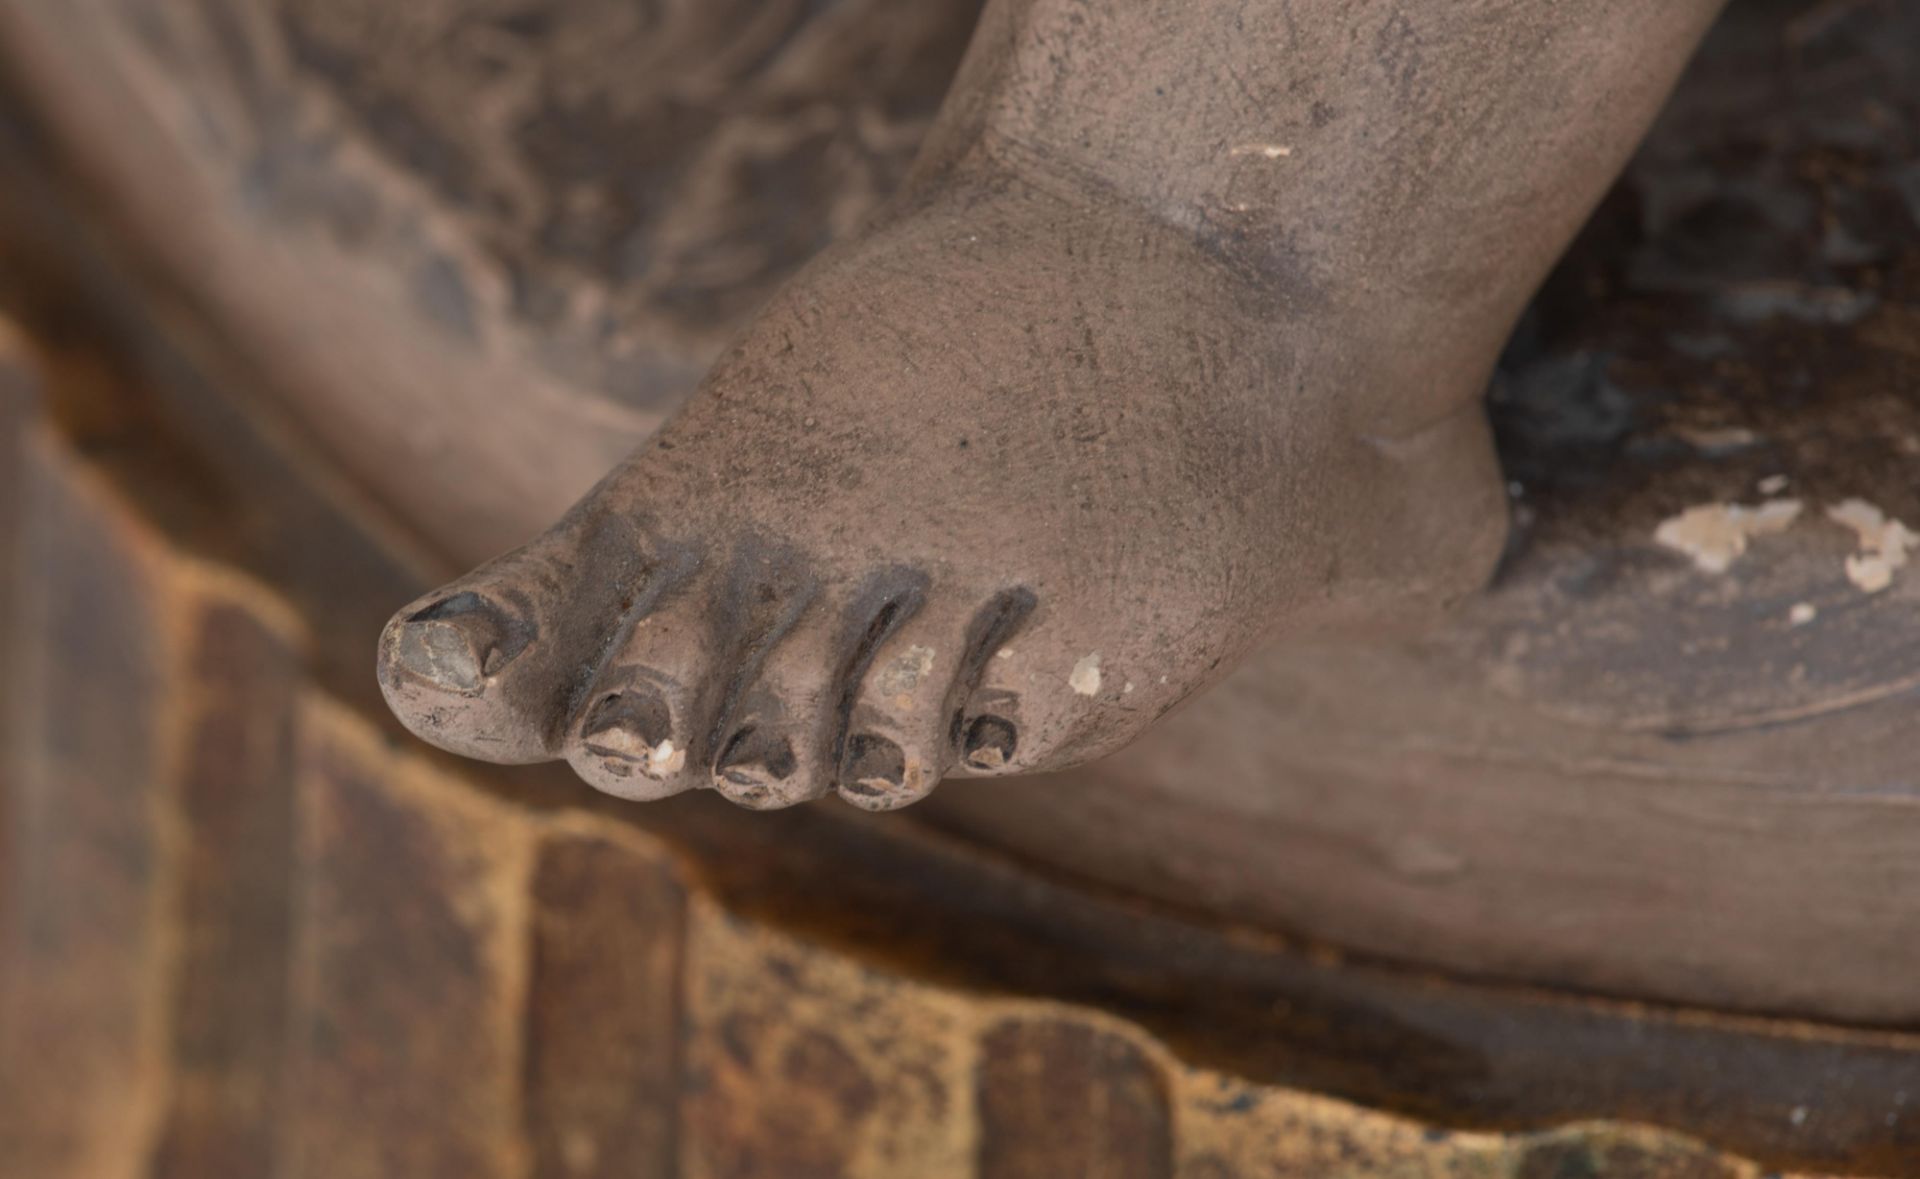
664, 759
1772, 485
1870, 573
1884, 544
1268, 151
1802, 613
1714, 535
1003, 653
1085, 678
1127, 687
1717, 439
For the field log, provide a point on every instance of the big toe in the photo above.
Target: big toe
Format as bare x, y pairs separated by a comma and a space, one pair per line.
485, 667
448, 667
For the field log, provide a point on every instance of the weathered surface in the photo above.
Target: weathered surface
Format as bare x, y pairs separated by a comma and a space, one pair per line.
1614, 770
605, 1014
1063, 1097
408, 969
470, 986
1407, 805
806, 1065
89, 932
233, 891
19, 394
541, 219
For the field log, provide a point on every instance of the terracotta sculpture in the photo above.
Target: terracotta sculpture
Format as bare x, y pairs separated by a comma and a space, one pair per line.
1172, 344
460, 258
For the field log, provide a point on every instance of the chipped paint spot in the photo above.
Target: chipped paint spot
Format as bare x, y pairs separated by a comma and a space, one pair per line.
1717, 440
1127, 688
1772, 484
1870, 573
903, 673
1801, 614
1003, 653
1266, 151
988, 757
664, 759
1714, 535
1085, 678
1883, 544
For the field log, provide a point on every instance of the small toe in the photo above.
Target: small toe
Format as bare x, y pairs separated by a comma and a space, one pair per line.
658, 717
637, 731
1042, 704
787, 734
988, 743
908, 721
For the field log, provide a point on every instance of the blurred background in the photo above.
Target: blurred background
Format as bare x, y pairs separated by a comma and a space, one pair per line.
306, 303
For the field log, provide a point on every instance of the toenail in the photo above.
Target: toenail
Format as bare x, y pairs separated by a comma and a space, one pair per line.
990, 743
756, 759
875, 767
458, 642
636, 727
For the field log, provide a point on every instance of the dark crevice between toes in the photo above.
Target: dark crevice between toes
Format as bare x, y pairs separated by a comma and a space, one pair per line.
888, 601
990, 742
875, 769
642, 590
993, 628
631, 729
768, 592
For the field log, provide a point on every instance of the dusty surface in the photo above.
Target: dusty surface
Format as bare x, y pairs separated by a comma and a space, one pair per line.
1090, 409
1615, 766
247, 933
1617, 774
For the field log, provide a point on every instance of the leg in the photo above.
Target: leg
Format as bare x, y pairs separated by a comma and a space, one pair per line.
1172, 344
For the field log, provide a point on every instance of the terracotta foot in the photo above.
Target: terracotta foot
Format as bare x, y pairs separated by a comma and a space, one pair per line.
1172, 344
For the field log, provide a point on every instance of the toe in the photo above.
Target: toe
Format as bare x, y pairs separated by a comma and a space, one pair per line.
453, 644
653, 721
635, 736
787, 734
778, 739
637, 730
1041, 703
455, 668
908, 719
481, 667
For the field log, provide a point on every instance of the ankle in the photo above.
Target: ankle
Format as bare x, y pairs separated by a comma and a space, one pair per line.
1350, 137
